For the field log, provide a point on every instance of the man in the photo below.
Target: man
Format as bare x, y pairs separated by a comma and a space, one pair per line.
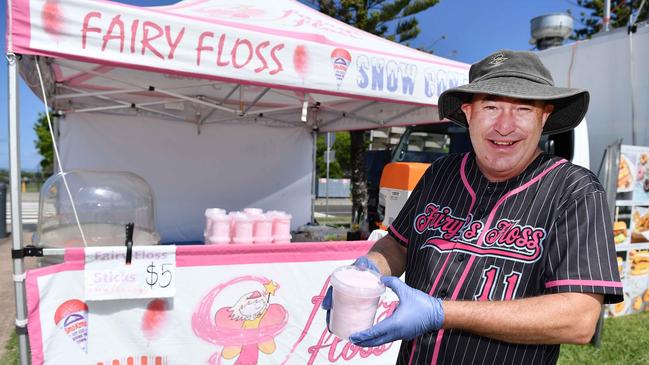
507, 251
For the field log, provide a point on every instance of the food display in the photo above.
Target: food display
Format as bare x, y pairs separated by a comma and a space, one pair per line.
643, 171
641, 302
91, 208
637, 304
619, 231
624, 177
620, 266
251, 225
640, 223
631, 229
639, 262
644, 158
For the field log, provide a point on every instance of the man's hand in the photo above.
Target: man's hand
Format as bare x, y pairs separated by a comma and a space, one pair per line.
416, 314
362, 263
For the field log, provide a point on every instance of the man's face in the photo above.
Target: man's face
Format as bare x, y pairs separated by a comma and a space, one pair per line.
505, 133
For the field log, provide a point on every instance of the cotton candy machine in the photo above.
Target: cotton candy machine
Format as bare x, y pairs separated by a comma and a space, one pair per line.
94, 206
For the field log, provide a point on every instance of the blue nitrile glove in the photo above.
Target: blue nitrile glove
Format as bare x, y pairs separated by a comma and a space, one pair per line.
363, 263
416, 314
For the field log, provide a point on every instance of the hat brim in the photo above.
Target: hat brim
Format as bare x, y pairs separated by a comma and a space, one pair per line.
570, 105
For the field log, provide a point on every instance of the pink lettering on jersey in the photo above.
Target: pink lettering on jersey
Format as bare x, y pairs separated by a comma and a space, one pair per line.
440, 220
506, 239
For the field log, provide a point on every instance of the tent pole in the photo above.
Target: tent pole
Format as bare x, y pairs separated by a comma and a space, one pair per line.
314, 133
16, 222
56, 120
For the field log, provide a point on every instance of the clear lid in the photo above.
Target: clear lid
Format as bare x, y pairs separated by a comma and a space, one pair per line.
278, 214
104, 202
214, 212
253, 211
357, 282
239, 217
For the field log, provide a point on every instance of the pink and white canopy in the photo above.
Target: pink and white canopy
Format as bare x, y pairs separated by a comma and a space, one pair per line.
219, 61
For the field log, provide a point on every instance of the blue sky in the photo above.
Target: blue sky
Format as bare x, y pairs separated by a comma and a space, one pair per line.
463, 30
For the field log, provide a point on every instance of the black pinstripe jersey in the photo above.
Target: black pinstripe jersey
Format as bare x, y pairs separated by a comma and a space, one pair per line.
546, 231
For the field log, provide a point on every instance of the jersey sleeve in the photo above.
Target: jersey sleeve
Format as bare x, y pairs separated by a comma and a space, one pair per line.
580, 250
401, 227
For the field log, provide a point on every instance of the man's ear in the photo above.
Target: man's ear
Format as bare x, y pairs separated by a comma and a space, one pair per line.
547, 110
466, 108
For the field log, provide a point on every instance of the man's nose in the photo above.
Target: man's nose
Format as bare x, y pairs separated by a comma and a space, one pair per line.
505, 122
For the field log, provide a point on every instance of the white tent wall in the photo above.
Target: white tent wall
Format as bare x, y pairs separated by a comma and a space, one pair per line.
614, 68
227, 166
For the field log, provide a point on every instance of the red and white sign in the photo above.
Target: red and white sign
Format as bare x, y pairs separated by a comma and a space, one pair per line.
287, 45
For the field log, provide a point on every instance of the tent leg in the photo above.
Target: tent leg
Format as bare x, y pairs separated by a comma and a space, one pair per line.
315, 177
16, 222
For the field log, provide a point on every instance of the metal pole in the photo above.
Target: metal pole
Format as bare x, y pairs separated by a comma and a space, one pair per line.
608, 177
314, 134
16, 222
3, 210
607, 15
55, 126
327, 162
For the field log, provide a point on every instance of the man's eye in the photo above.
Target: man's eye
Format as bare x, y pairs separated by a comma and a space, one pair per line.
490, 107
524, 109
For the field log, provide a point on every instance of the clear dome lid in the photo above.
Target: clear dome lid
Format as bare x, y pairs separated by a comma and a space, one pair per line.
95, 206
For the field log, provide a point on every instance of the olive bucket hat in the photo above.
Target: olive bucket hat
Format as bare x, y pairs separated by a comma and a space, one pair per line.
521, 75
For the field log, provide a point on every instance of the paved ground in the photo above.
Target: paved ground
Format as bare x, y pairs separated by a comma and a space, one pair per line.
7, 295
7, 305
337, 207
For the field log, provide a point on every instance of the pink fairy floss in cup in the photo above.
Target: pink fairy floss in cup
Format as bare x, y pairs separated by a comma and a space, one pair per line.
356, 295
281, 226
242, 228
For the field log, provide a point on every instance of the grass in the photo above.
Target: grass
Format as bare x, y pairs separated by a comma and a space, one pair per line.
336, 221
12, 354
624, 341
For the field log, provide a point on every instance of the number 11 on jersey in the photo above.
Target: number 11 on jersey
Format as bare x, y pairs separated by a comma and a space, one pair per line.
491, 277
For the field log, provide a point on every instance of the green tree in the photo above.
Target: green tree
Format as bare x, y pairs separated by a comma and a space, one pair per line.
394, 20
340, 168
43, 144
593, 18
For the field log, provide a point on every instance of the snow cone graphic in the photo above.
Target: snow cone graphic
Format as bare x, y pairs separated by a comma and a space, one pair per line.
52, 17
340, 59
72, 318
155, 318
301, 61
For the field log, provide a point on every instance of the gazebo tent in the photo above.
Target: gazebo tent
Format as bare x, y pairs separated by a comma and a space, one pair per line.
214, 102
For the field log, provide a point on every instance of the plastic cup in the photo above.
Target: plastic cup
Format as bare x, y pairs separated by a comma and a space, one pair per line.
242, 228
356, 295
262, 231
281, 226
219, 232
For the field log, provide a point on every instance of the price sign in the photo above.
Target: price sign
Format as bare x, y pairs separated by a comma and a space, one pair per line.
151, 273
